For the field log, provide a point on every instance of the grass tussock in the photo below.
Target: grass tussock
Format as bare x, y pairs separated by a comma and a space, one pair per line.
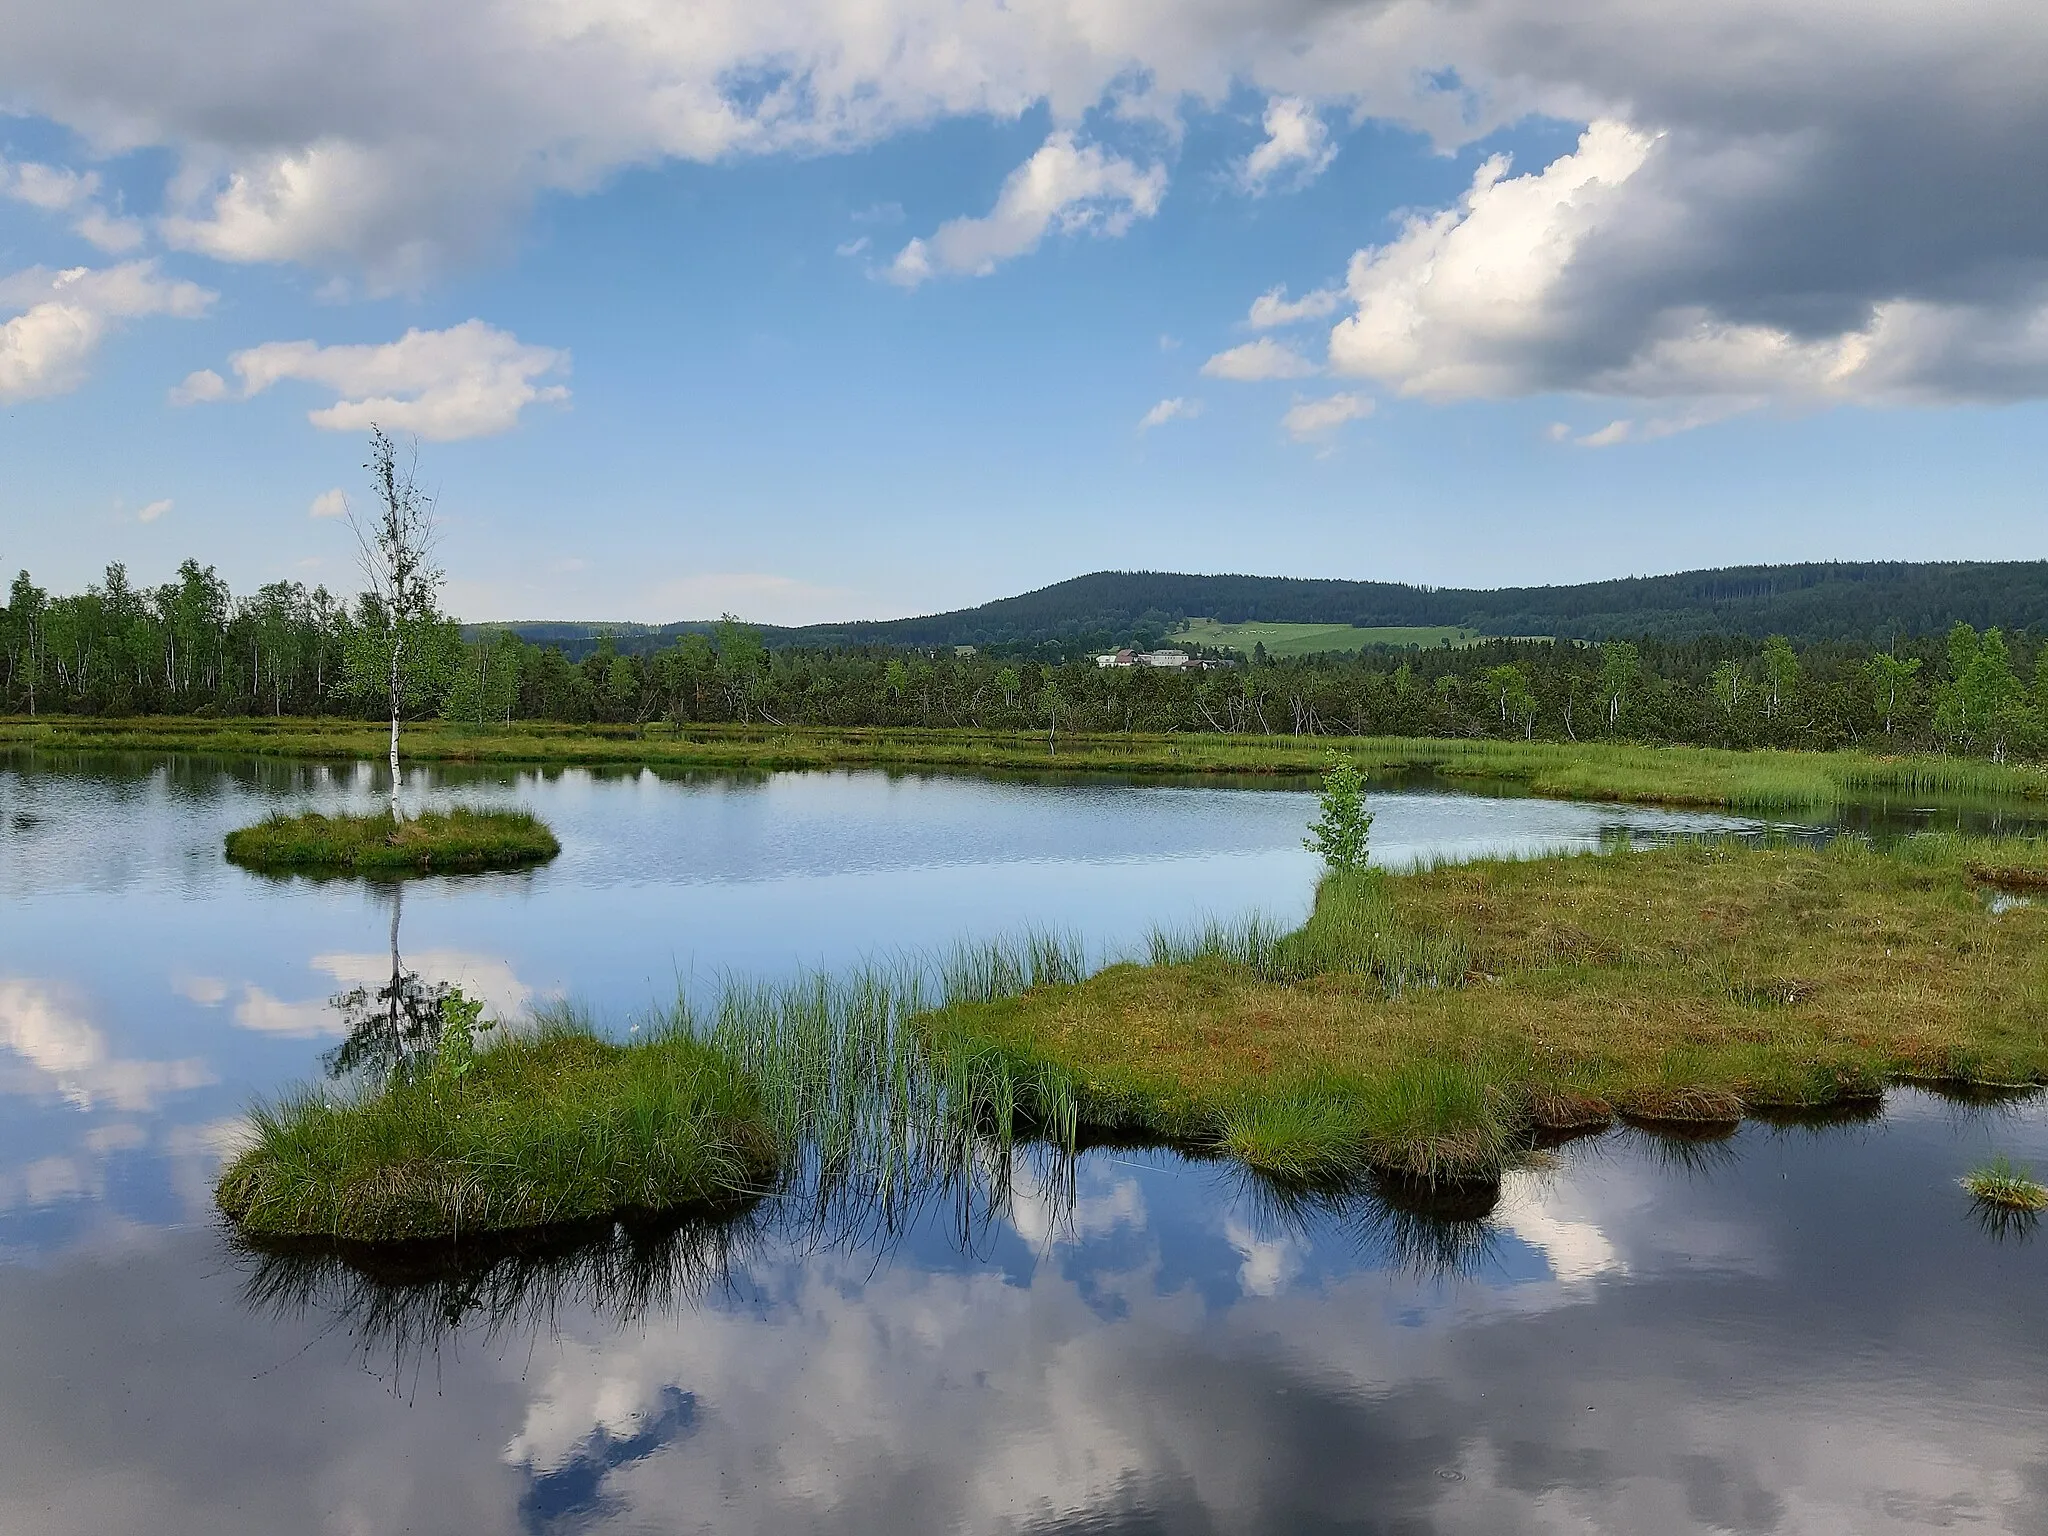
543, 1129
820, 1088
454, 840
1702, 776
2002, 1184
1430, 1024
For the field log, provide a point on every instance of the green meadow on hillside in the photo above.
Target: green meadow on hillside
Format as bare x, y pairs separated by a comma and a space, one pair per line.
1315, 639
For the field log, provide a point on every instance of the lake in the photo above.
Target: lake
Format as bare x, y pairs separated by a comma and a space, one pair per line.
1793, 1329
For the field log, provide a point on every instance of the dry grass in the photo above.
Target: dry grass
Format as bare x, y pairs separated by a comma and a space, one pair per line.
1679, 987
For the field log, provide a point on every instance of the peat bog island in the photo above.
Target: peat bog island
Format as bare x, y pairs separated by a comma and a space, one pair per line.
1024, 769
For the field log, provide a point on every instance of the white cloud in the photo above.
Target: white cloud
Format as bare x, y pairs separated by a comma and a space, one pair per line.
62, 318
1258, 360
1829, 213
112, 234
1273, 308
329, 503
470, 380
1065, 187
199, 387
1572, 278
1310, 420
154, 510
1297, 146
1466, 301
852, 247
56, 189
1175, 409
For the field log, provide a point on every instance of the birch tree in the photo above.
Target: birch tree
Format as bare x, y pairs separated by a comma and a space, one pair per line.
401, 637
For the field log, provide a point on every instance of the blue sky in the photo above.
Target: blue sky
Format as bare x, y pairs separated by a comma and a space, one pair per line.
837, 341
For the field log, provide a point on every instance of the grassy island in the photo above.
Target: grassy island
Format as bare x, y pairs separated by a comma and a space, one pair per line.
540, 1131
1434, 1024
457, 840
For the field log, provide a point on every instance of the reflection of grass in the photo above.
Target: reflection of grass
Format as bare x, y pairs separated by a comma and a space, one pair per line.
2008, 1188
1587, 770
1428, 1024
459, 839
552, 1127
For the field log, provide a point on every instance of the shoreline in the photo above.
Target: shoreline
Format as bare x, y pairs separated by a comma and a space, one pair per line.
1710, 777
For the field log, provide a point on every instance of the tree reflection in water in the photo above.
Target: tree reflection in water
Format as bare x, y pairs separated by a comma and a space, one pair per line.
393, 1025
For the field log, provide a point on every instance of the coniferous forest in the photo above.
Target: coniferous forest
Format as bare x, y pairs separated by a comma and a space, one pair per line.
191, 647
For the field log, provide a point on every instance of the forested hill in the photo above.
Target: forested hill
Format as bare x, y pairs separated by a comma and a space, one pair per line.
1864, 603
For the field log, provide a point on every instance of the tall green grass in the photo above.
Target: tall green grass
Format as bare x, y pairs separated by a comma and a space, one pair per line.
550, 1126
1355, 929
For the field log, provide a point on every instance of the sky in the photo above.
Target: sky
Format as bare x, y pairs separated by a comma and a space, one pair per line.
827, 309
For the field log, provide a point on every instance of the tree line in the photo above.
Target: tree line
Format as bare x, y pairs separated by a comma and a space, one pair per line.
189, 646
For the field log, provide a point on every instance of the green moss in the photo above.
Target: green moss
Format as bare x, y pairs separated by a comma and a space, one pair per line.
461, 839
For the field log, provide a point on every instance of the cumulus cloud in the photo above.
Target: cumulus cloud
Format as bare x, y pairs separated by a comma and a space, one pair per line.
58, 189
1611, 271
329, 503
1828, 202
1064, 188
61, 318
1295, 151
1309, 421
471, 380
1273, 308
1258, 360
1176, 409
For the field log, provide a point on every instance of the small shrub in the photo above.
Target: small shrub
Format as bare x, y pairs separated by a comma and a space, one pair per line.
1339, 834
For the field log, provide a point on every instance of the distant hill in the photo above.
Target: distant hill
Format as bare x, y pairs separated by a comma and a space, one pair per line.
1867, 602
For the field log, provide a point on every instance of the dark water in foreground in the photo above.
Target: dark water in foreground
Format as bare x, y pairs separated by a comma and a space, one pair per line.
1792, 1330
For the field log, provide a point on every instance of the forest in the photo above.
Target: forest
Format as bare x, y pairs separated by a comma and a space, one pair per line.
190, 647
1868, 602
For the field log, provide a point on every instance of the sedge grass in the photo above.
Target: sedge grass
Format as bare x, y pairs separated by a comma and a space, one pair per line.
552, 1127
461, 839
2006, 1187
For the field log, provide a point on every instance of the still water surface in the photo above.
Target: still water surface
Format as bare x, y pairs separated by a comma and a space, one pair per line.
1792, 1330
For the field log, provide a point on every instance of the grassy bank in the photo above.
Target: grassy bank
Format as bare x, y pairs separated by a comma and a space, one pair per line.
543, 1130
1431, 1024
456, 840
1599, 771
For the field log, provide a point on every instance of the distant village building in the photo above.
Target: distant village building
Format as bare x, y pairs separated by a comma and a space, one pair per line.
1169, 661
